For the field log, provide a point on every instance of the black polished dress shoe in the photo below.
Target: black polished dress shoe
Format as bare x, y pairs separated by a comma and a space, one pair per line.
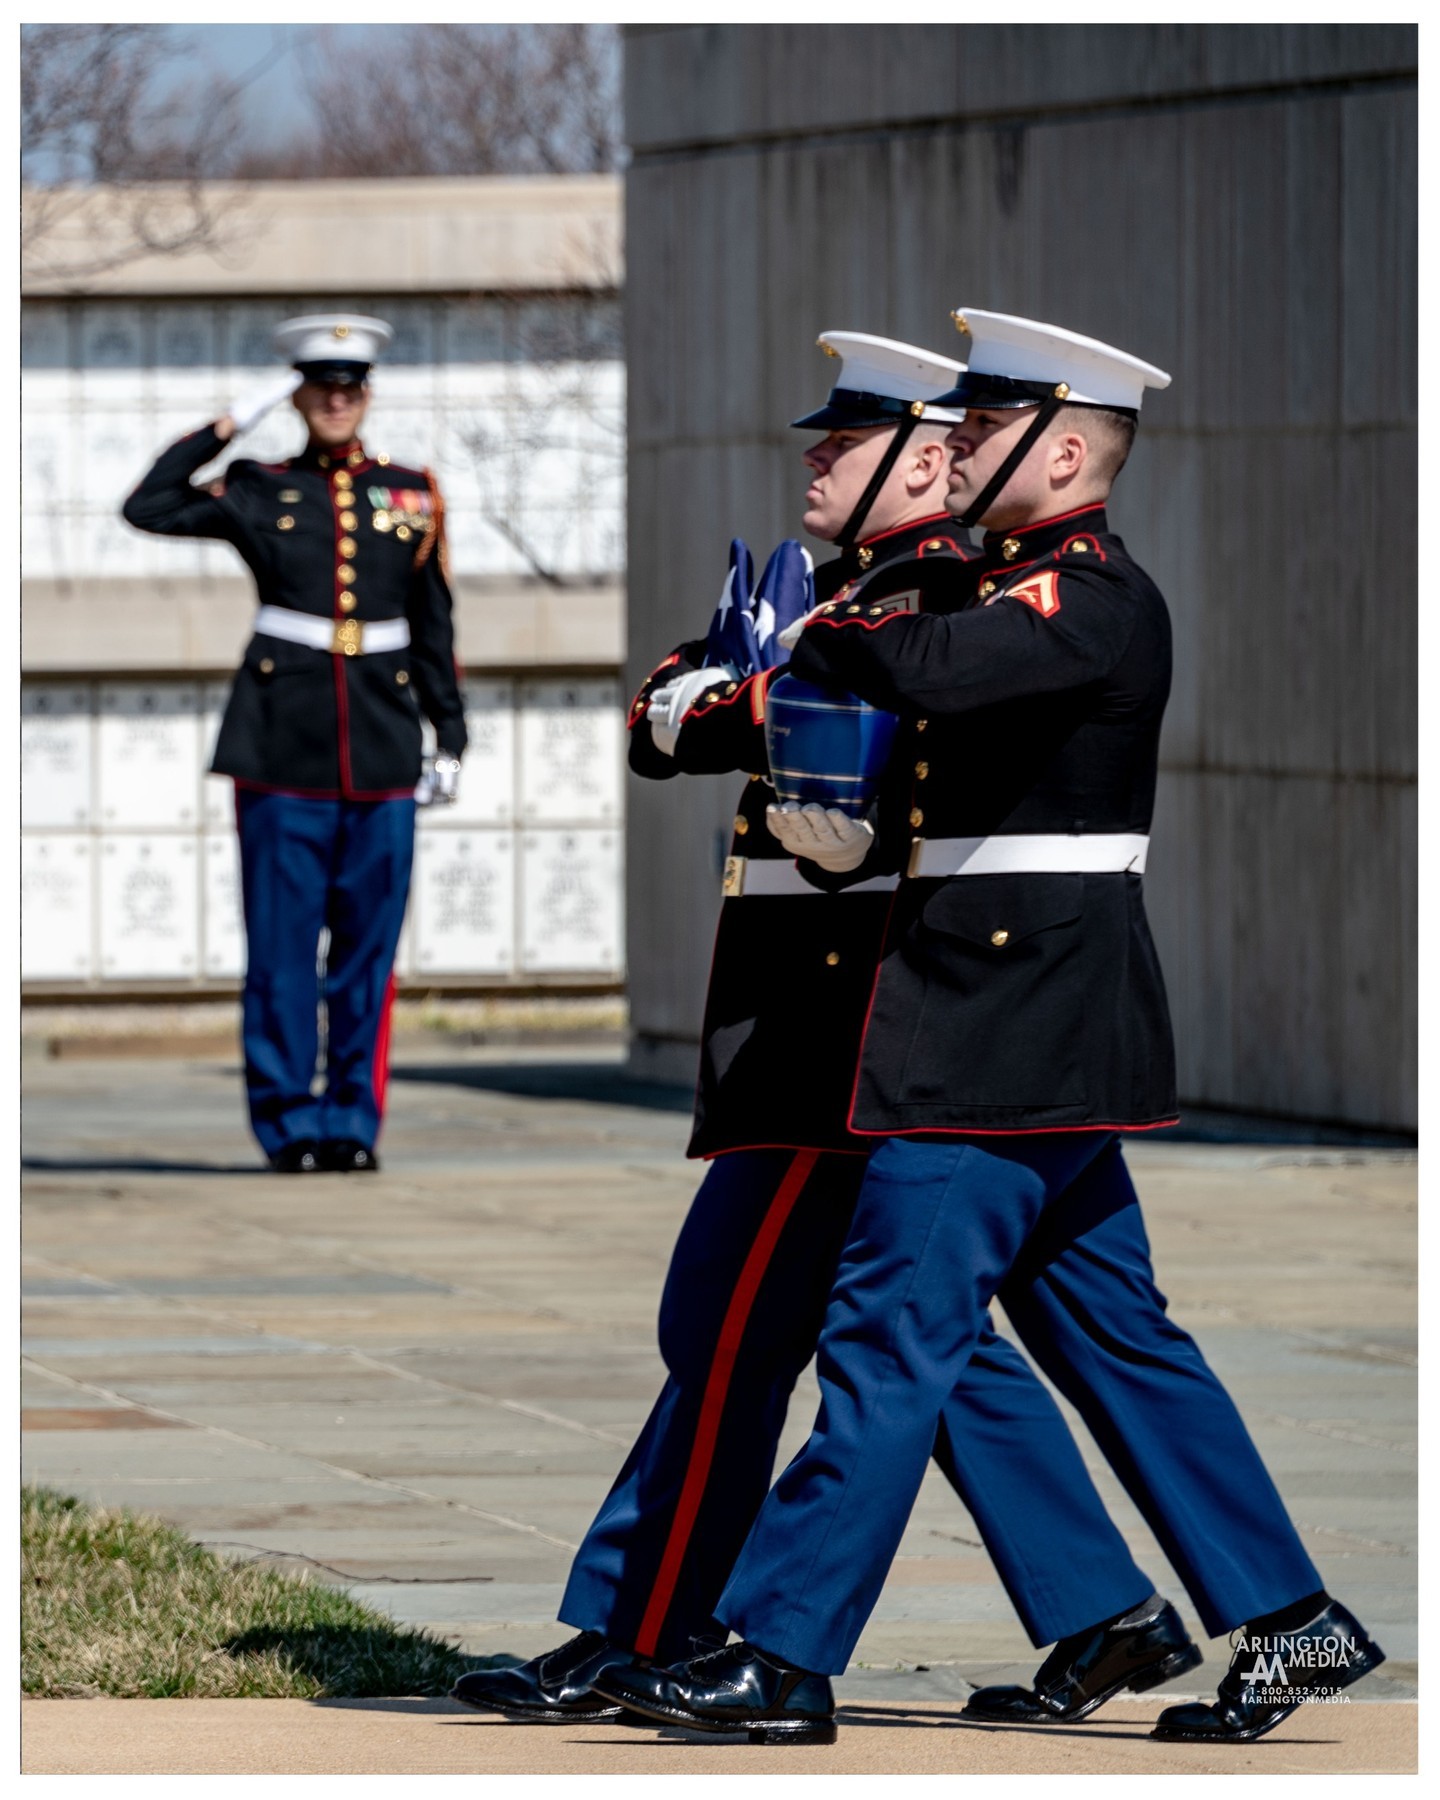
734, 1689
300, 1158
348, 1156
1139, 1650
1272, 1673
553, 1689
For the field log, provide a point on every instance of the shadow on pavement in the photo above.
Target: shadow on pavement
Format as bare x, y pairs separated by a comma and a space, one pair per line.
135, 1165
604, 1084
610, 1084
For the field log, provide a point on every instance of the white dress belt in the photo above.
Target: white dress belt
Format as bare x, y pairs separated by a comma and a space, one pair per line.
750, 875
343, 637
1091, 853
1086, 853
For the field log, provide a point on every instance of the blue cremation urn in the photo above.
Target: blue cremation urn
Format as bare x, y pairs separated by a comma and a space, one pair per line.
824, 746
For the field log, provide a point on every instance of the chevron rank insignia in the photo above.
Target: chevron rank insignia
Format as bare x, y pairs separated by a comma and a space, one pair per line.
1040, 591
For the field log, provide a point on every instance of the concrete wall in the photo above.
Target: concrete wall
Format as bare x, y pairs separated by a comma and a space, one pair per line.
459, 233
1235, 203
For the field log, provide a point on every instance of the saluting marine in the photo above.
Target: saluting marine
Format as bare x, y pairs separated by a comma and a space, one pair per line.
750, 1275
353, 642
1017, 1026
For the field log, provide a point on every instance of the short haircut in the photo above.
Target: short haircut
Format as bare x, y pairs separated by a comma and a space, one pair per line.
1109, 435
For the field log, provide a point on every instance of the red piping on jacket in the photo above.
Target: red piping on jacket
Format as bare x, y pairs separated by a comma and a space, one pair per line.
996, 1130
707, 1429
270, 787
1054, 519
637, 705
342, 727
864, 624
909, 525
738, 1149
342, 696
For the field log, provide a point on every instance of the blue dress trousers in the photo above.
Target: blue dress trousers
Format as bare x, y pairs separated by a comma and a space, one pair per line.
309, 864
743, 1305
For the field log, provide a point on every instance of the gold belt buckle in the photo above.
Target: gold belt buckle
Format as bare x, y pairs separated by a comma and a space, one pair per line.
733, 884
912, 868
347, 638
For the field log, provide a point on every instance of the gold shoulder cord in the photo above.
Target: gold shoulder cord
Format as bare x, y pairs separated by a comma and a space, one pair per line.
436, 534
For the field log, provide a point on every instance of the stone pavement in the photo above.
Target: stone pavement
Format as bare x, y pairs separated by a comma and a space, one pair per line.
437, 1737
419, 1385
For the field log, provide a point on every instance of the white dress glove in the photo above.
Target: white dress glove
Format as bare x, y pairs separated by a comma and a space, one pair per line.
670, 703
447, 780
790, 636
439, 783
253, 405
821, 834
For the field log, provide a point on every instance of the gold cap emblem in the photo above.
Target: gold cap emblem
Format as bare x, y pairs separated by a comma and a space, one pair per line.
342, 331
960, 324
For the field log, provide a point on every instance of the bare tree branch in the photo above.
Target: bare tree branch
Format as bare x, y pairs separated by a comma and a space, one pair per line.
112, 169
457, 100
554, 402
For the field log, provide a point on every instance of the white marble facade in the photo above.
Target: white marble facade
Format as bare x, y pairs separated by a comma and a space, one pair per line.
517, 404
129, 870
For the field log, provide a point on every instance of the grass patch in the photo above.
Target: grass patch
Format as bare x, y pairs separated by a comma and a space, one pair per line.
117, 1602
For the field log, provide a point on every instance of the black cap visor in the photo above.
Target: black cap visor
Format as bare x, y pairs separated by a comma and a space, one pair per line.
1007, 393
854, 408
336, 374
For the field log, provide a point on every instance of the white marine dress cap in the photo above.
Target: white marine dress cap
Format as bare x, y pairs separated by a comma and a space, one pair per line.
882, 380
332, 346
1021, 362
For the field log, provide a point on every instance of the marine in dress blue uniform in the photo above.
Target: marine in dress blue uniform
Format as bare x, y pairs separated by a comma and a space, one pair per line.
1017, 1026
748, 1283
353, 643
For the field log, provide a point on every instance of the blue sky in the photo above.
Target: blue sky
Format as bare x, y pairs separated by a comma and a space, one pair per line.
278, 54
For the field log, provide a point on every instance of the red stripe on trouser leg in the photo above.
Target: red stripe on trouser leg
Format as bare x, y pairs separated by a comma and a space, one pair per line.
717, 1386
380, 1063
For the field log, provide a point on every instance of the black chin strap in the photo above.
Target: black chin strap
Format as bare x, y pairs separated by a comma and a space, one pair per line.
887, 462
990, 493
